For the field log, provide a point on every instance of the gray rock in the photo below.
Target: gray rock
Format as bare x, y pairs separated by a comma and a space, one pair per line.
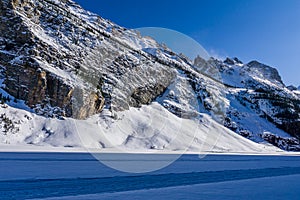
49, 53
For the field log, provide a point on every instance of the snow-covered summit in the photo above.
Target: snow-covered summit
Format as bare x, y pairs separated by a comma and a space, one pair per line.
264, 71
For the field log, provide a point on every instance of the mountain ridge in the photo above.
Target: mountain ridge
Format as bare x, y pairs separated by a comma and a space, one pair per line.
81, 65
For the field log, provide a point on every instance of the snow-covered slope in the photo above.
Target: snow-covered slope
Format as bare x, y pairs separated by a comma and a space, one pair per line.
261, 106
147, 129
77, 80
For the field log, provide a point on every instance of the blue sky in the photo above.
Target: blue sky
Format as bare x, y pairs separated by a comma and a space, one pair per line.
263, 30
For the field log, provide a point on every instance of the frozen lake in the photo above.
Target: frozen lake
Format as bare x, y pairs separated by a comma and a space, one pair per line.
81, 176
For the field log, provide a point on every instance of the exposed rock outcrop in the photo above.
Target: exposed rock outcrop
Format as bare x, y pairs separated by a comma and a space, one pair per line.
49, 51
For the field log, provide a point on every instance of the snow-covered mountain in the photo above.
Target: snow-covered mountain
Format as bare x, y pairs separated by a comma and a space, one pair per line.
70, 78
262, 107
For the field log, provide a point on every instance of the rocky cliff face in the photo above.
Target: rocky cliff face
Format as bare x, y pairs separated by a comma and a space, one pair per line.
53, 51
29, 54
64, 61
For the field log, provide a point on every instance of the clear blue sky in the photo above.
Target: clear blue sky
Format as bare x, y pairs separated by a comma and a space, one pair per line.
263, 30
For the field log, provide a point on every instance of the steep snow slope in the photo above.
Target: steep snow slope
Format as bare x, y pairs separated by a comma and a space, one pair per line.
147, 129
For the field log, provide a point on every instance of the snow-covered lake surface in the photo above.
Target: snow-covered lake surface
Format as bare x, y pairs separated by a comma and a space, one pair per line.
81, 176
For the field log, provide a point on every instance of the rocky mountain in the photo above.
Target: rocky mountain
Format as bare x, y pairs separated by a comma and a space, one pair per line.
257, 92
59, 62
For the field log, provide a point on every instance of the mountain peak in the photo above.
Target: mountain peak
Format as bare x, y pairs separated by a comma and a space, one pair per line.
264, 71
232, 61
